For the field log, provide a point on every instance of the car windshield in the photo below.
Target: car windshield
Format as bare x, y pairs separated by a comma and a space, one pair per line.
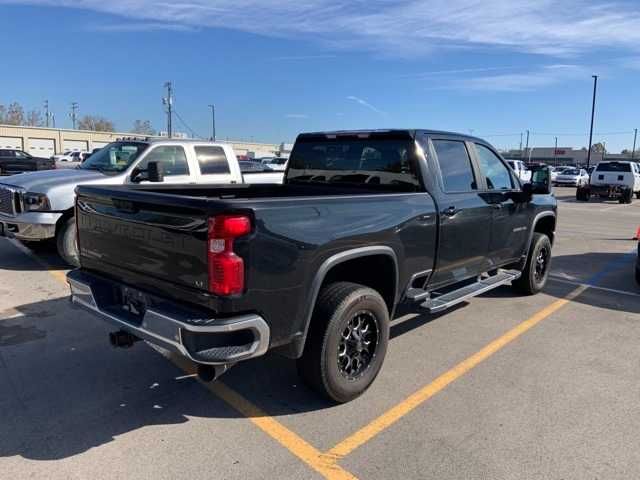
570, 171
115, 157
614, 167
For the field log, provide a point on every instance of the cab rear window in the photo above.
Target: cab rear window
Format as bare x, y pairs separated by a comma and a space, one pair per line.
370, 161
614, 167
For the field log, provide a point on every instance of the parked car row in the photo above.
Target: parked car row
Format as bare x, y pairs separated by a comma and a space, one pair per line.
19, 161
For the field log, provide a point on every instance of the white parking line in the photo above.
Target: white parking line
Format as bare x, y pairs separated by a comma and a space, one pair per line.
595, 287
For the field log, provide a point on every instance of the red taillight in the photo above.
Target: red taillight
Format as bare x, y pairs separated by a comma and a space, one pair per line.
226, 269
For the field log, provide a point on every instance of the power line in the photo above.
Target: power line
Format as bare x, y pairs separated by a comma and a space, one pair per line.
193, 133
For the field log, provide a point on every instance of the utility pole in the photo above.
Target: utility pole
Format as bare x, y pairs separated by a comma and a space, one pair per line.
593, 112
604, 150
53, 120
521, 143
168, 101
635, 136
46, 113
213, 122
525, 148
73, 114
555, 153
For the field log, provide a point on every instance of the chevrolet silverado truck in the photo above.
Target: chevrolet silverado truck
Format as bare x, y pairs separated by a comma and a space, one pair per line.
314, 268
38, 208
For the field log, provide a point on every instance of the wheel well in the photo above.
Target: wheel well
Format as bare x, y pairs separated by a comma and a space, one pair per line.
65, 216
374, 271
546, 225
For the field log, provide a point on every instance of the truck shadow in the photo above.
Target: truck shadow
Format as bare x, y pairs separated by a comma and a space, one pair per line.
10, 260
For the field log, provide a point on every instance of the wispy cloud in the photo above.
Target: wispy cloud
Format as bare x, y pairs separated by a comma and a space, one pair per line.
456, 71
301, 58
297, 115
365, 104
519, 82
140, 27
551, 27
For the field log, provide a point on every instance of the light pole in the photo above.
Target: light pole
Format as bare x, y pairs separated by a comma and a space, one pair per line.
213, 122
593, 112
555, 153
526, 149
635, 136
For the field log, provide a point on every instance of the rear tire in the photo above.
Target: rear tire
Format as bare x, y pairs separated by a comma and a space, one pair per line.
638, 195
347, 341
536, 270
627, 196
582, 194
66, 242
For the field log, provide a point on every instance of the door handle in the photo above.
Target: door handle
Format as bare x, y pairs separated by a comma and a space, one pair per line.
451, 211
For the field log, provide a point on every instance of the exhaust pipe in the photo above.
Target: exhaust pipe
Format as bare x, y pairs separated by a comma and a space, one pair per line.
122, 339
210, 373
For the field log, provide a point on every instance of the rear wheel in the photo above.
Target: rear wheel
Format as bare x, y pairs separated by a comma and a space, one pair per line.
582, 194
347, 341
66, 242
638, 194
627, 196
536, 270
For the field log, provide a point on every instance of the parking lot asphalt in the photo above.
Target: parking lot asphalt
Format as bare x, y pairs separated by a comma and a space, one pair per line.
502, 387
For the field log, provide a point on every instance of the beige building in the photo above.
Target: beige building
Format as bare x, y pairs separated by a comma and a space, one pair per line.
45, 142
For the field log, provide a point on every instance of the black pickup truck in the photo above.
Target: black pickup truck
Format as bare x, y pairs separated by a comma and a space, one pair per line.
17, 161
313, 268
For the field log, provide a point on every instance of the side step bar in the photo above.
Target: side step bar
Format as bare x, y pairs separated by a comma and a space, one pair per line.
439, 303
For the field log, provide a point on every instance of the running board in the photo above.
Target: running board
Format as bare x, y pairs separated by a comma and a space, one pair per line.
448, 300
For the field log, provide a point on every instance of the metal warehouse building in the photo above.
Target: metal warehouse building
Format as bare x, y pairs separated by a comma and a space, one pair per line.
45, 142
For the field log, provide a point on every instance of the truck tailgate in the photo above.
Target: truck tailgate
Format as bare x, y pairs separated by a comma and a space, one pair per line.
142, 232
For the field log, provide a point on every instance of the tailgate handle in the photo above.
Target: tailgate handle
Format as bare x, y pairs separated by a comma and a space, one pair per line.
125, 206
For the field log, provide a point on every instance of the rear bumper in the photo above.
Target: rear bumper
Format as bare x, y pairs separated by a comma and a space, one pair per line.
185, 332
30, 226
611, 190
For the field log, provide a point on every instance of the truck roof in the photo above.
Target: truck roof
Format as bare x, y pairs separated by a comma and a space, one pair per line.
390, 131
155, 140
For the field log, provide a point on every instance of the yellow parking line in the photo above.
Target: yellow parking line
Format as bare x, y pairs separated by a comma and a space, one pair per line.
387, 419
326, 463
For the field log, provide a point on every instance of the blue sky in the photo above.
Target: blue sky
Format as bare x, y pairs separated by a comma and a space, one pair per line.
276, 68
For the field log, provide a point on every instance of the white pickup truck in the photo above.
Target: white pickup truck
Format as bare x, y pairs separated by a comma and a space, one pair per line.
38, 207
613, 179
523, 173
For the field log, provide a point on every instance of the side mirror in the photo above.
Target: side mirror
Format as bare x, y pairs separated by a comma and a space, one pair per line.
155, 172
541, 181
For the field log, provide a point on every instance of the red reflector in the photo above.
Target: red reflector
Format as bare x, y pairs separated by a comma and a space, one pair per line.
226, 274
229, 226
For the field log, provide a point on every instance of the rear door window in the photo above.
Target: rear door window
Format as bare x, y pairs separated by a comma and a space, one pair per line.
172, 158
455, 166
496, 173
212, 160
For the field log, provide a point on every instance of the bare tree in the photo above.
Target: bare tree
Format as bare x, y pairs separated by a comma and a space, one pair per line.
143, 127
597, 147
3, 113
34, 119
95, 123
15, 114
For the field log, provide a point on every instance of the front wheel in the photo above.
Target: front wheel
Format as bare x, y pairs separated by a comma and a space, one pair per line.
347, 341
536, 270
638, 195
67, 243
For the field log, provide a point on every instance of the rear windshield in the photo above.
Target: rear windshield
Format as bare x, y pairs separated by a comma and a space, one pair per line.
370, 161
570, 171
614, 167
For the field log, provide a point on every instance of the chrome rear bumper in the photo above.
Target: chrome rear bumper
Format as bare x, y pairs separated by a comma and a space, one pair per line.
207, 341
